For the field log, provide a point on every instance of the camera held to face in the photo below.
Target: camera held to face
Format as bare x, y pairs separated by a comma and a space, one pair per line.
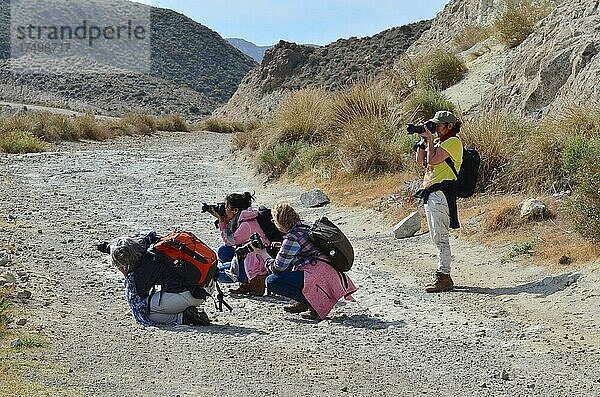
254, 243
420, 128
217, 208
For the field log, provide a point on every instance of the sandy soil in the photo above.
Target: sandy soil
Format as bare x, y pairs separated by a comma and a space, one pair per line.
509, 329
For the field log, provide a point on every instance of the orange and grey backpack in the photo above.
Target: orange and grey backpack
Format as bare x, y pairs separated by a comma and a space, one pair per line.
193, 260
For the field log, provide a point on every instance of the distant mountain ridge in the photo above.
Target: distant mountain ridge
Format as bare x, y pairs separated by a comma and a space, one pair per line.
252, 50
288, 67
192, 69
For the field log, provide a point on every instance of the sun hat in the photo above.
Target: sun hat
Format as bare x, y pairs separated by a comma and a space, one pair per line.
443, 117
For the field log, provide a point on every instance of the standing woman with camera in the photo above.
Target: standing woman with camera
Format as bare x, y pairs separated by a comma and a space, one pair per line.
439, 189
236, 225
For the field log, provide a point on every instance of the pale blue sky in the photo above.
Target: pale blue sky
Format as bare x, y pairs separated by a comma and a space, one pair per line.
264, 22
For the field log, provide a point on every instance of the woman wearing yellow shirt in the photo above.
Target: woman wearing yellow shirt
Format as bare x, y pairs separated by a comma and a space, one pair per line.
438, 192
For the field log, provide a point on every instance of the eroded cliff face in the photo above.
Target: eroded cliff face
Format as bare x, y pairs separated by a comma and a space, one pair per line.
451, 21
557, 66
289, 67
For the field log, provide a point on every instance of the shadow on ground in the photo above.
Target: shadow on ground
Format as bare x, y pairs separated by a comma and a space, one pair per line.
541, 288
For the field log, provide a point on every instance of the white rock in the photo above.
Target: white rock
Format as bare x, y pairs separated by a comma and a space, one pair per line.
408, 226
533, 209
4, 258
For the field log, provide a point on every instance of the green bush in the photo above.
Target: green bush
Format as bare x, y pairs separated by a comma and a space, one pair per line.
574, 153
21, 142
585, 202
423, 104
320, 159
440, 70
516, 19
275, 160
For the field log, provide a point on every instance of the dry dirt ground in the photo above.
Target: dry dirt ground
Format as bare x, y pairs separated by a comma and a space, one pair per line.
509, 329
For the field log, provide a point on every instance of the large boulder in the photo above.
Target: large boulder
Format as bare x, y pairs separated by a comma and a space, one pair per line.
314, 198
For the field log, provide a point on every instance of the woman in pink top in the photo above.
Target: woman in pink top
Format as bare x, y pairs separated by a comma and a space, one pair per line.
236, 226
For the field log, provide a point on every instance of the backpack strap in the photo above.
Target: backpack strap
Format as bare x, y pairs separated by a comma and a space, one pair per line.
451, 165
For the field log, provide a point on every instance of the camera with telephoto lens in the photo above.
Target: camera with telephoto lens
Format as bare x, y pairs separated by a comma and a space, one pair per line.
254, 243
218, 208
420, 128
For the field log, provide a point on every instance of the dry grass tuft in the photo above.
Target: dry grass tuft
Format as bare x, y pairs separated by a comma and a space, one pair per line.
172, 122
469, 36
516, 19
303, 116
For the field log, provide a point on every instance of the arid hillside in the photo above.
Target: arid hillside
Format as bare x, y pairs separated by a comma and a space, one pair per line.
187, 68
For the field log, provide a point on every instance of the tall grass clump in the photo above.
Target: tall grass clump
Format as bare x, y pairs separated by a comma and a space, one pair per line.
363, 100
498, 138
135, 124
516, 19
172, 122
401, 79
370, 145
423, 104
19, 142
440, 70
469, 36
217, 125
303, 116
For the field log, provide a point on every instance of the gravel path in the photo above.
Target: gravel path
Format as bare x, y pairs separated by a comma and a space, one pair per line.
508, 330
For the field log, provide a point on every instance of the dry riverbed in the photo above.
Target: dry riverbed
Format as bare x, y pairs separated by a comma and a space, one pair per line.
509, 329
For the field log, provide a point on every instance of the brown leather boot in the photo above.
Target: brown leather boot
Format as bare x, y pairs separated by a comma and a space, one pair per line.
296, 308
258, 285
242, 289
443, 282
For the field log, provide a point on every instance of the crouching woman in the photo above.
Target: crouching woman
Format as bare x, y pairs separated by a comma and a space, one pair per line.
176, 303
301, 272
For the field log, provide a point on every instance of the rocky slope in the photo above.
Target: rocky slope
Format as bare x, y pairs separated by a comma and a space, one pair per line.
190, 68
288, 67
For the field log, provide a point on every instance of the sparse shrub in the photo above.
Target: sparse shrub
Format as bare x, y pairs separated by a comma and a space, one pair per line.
172, 122
516, 19
423, 104
57, 128
577, 120
274, 161
320, 159
503, 217
303, 116
368, 146
469, 36
21, 142
440, 70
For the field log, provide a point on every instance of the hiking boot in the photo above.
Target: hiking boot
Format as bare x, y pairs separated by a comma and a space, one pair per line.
443, 282
311, 315
296, 308
191, 316
258, 285
242, 289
